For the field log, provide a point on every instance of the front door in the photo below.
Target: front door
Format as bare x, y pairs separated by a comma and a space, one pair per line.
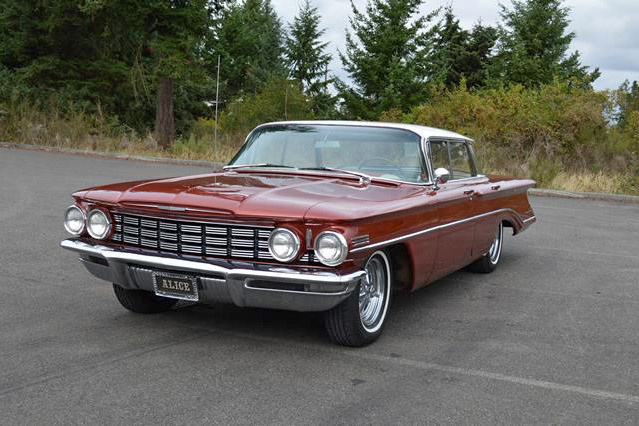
455, 204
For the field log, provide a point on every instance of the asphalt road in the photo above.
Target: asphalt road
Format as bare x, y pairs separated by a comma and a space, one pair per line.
551, 337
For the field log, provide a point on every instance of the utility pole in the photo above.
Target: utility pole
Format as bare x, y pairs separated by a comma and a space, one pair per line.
217, 97
326, 80
286, 102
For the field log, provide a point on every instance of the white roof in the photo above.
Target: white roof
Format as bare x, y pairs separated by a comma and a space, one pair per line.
423, 131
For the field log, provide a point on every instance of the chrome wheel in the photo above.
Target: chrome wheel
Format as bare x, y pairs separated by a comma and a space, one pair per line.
495, 250
374, 292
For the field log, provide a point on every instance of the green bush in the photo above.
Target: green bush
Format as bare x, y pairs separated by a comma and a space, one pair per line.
280, 99
516, 128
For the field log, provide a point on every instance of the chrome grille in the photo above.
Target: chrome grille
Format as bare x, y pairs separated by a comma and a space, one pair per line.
197, 239
192, 238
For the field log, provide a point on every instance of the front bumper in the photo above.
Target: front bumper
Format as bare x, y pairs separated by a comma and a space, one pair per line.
241, 283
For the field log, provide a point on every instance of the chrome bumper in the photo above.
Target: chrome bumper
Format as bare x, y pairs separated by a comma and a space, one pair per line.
241, 283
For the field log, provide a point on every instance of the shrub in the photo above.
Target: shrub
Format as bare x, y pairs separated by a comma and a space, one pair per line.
280, 99
518, 129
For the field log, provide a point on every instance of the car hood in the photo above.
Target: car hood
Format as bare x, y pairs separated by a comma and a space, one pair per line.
261, 195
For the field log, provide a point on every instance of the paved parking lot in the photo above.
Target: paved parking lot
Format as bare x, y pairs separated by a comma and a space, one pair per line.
551, 337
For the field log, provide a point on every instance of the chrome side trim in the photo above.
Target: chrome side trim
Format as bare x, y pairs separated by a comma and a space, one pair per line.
360, 240
530, 219
433, 229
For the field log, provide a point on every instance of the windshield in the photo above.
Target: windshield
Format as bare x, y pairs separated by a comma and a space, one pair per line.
375, 151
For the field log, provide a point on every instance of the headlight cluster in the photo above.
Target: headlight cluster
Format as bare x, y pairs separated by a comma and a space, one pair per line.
283, 245
97, 223
331, 247
74, 220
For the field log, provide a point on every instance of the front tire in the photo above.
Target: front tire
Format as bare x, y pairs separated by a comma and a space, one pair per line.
489, 262
142, 302
359, 320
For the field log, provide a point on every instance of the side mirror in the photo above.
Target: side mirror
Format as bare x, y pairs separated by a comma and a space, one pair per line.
442, 176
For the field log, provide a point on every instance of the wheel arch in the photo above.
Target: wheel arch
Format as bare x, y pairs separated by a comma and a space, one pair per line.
512, 220
401, 266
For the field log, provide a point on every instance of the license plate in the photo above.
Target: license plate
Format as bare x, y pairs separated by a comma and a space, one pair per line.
175, 286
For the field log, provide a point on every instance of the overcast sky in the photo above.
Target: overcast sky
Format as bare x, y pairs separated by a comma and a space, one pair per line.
607, 30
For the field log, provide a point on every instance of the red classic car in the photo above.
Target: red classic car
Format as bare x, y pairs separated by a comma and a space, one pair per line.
308, 216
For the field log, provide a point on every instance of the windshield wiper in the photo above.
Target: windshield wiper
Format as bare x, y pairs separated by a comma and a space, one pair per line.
364, 179
254, 166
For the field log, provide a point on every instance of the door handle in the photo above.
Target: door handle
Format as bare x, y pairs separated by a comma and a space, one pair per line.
469, 192
495, 187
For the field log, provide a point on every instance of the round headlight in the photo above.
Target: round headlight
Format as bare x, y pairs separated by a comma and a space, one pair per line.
331, 248
98, 224
74, 220
283, 245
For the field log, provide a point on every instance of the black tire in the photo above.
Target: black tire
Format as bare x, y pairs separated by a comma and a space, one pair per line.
142, 302
345, 324
489, 262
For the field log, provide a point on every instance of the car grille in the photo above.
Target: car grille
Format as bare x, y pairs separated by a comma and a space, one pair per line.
195, 238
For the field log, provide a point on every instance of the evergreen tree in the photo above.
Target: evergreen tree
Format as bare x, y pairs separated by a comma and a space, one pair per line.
448, 61
386, 57
176, 31
250, 41
533, 48
307, 58
461, 54
628, 101
480, 47
115, 55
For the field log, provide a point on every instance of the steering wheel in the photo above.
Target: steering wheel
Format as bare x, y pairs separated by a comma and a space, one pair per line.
384, 161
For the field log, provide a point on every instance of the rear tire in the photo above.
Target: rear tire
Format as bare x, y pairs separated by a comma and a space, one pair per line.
489, 262
359, 320
142, 302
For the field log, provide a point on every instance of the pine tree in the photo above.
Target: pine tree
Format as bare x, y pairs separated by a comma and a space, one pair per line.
307, 58
120, 55
461, 54
534, 43
480, 56
628, 101
250, 41
386, 57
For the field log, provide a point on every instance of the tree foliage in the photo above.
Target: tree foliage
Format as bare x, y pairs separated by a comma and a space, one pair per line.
461, 54
627, 102
106, 55
250, 41
386, 57
307, 58
533, 45
280, 99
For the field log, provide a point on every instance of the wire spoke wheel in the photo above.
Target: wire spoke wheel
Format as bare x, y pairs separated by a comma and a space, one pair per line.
359, 320
373, 293
495, 250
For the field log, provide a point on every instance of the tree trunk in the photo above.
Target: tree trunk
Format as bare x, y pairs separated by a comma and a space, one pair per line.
164, 119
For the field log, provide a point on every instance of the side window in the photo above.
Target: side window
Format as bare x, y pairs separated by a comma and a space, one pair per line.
460, 163
439, 155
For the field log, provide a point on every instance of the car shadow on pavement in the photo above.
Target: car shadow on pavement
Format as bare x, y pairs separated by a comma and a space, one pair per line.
308, 327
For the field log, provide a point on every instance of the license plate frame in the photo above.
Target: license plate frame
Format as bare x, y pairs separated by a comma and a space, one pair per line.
172, 285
